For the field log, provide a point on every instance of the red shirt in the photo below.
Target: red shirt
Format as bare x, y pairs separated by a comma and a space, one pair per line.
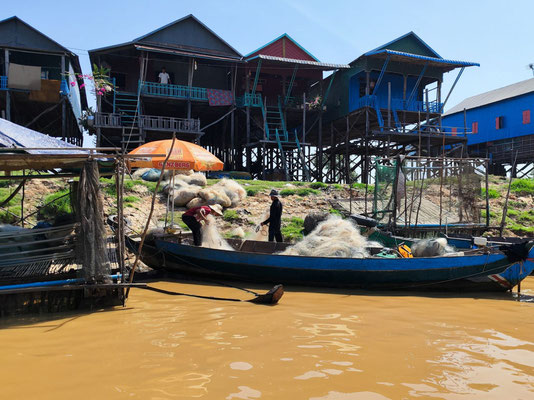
192, 211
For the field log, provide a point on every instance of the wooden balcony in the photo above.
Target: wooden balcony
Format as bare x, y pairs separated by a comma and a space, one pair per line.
148, 122
173, 91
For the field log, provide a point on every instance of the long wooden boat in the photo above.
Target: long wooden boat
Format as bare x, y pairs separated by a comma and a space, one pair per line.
487, 269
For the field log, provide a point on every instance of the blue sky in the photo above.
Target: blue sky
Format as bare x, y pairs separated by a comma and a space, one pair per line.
496, 34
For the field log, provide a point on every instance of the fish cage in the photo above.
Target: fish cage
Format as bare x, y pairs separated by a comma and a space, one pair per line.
69, 261
420, 195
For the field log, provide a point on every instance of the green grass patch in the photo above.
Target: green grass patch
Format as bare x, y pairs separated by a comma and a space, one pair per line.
523, 186
334, 211
302, 192
492, 214
318, 185
358, 185
520, 229
230, 215
253, 191
288, 192
337, 186
526, 216
58, 205
492, 193
292, 229
177, 220
10, 215
131, 199
512, 213
6, 192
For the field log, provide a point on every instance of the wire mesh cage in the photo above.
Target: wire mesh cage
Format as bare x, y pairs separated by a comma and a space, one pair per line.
424, 191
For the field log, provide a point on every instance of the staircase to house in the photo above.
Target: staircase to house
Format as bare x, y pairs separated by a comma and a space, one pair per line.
275, 129
125, 104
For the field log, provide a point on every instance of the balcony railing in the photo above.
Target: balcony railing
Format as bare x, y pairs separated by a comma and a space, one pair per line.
173, 91
148, 122
400, 104
249, 99
3, 82
107, 120
170, 124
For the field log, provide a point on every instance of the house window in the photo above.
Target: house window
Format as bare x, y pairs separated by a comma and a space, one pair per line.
474, 127
526, 117
499, 122
454, 130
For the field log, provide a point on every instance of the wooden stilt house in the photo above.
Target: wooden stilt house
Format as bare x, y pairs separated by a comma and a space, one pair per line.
40, 86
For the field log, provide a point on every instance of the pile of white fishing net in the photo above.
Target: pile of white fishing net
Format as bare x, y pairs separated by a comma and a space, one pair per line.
334, 237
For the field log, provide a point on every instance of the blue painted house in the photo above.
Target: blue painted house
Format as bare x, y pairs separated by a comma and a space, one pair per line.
390, 101
498, 123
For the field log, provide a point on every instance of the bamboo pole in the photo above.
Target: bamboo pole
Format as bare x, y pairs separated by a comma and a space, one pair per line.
145, 231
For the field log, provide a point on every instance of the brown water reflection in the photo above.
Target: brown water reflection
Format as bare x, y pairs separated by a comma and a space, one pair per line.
314, 345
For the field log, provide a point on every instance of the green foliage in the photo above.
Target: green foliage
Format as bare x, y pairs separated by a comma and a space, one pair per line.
334, 211
230, 215
318, 185
523, 186
512, 213
58, 205
292, 228
337, 186
492, 193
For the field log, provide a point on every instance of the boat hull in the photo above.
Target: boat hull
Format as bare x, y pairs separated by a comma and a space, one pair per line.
488, 272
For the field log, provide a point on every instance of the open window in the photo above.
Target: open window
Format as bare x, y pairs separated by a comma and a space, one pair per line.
499, 122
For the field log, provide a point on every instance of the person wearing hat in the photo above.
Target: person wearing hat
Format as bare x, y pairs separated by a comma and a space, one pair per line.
194, 216
275, 218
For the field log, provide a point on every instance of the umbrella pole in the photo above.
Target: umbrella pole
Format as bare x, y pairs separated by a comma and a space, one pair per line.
172, 200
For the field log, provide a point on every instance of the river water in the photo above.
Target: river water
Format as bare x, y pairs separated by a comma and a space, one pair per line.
314, 345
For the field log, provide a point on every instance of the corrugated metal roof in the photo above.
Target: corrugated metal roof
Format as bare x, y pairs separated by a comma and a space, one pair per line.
302, 62
493, 96
186, 53
429, 59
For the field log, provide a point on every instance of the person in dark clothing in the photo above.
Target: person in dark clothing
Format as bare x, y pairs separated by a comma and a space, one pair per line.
275, 218
195, 215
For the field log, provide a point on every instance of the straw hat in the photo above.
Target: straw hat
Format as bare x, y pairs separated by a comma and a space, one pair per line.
216, 208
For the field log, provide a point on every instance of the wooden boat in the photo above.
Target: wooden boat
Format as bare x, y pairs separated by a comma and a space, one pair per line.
488, 269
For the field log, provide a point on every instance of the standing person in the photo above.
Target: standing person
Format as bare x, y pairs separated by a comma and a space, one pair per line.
275, 218
164, 77
194, 216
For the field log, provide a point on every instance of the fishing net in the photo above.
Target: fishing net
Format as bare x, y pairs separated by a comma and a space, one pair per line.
211, 238
91, 249
334, 237
428, 191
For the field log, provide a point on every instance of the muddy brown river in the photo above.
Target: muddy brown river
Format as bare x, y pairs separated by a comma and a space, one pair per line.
318, 344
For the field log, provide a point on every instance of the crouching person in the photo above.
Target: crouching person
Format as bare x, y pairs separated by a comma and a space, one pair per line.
194, 217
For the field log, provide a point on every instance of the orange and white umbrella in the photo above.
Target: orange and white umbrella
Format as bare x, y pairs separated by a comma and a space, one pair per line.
184, 156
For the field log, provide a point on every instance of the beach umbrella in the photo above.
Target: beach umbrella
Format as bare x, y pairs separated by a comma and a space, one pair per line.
184, 156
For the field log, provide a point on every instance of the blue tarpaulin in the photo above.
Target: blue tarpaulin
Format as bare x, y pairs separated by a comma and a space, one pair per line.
13, 135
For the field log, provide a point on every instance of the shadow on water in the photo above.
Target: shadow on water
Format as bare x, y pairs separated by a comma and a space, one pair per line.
56, 320
158, 276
